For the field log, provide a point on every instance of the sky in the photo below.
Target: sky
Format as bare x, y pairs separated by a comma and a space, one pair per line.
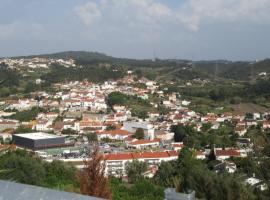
182, 29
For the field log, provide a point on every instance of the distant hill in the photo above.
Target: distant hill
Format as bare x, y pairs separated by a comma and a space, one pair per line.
76, 55
235, 70
244, 70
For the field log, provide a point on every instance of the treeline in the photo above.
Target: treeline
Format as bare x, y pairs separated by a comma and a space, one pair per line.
234, 70
233, 93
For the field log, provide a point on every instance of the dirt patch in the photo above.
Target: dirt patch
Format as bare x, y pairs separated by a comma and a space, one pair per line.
248, 108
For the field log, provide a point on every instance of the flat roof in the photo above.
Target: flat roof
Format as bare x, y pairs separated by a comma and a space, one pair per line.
30, 192
38, 136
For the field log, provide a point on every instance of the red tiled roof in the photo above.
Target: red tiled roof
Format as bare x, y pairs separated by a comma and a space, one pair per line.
178, 145
117, 132
227, 152
142, 155
138, 142
150, 155
120, 156
173, 153
7, 122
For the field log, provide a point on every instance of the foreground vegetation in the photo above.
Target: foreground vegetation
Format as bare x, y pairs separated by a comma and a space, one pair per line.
185, 174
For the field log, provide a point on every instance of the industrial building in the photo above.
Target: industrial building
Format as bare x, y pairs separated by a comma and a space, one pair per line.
39, 140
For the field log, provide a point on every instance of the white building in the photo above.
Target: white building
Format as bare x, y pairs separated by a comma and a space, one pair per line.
132, 126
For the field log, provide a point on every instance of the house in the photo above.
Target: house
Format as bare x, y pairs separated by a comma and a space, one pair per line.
93, 125
229, 167
167, 104
266, 125
6, 135
115, 163
255, 182
177, 146
151, 171
201, 155
43, 125
185, 103
120, 116
143, 144
51, 115
240, 130
8, 124
58, 127
117, 134
164, 135
119, 108
155, 158
223, 154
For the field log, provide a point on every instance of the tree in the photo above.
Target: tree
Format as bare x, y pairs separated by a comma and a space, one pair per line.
23, 168
92, 179
193, 174
143, 114
212, 155
116, 98
142, 189
206, 127
135, 170
179, 133
68, 131
139, 134
249, 116
91, 137
24, 129
27, 115
165, 173
110, 127
59, 174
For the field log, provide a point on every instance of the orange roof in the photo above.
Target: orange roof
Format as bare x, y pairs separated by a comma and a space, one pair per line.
119, 156
90, 123
228, 152
51, 113
7, 122
178, 145
173, 153
142, 155
151, 155
138, 142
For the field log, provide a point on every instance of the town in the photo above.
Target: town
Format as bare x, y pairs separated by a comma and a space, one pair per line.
64, 123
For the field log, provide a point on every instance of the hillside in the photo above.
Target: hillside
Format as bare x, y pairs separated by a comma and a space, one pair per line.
168, 69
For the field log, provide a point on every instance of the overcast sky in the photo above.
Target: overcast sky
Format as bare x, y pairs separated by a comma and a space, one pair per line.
184, 29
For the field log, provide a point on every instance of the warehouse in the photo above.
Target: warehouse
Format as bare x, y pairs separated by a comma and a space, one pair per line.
35, 141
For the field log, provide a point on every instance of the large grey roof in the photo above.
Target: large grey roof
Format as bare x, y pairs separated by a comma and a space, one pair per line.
17, 191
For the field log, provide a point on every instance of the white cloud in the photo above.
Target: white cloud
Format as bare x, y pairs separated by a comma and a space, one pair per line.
21, 29
88, 12
151, 14
195, 12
